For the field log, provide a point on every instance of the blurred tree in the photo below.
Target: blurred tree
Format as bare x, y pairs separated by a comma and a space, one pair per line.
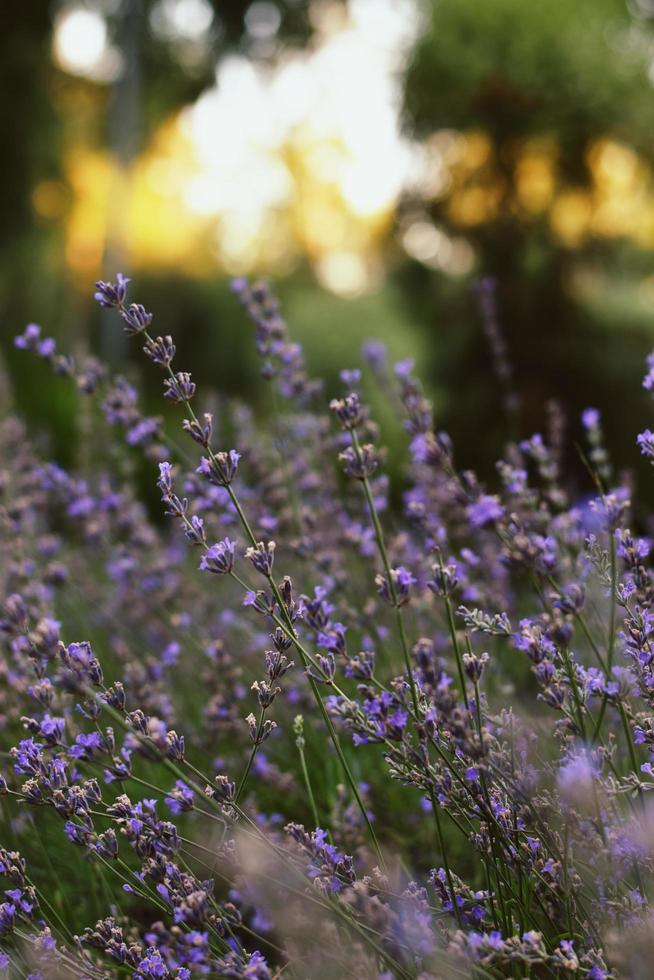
536, 87
170, 48
24, 114
160, 71
29, 154
575, 71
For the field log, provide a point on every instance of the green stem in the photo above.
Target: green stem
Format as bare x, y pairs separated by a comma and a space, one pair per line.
600, 719
241, 786
630, 746
455, 644
299, 741
383, 553
570, 671
612, 612
441, 843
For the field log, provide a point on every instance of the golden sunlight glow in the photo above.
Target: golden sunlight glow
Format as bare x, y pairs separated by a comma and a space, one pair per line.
619, 203
343, 272
535, 175
90, 176
304, 158
570, 216
49, 199
430, 245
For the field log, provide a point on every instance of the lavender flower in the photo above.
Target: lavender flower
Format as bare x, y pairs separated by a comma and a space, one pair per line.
219, 558
111, 294
136, 318
179, 388
486, 510
31, 340
262, 557
396, 590
221, 468
645, 442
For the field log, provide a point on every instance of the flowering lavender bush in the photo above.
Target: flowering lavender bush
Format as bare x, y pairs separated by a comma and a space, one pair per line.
292, 731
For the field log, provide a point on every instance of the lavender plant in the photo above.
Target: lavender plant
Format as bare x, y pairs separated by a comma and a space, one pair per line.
290, 730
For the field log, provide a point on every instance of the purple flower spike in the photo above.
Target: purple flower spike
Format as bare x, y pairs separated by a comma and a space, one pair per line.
111, 294
219, 558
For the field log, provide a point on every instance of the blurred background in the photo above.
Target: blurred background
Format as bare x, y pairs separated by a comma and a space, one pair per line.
375, 159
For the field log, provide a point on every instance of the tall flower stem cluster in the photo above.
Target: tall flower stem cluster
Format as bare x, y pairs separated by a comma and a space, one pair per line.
451, 780
221, 470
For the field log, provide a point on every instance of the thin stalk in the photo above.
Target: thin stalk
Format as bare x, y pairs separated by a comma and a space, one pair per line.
570, 671
600, 719
566, 876
496, 860
241, 786
443, 849
612, 610
383, 553
630, 746
455, 644
300, 743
